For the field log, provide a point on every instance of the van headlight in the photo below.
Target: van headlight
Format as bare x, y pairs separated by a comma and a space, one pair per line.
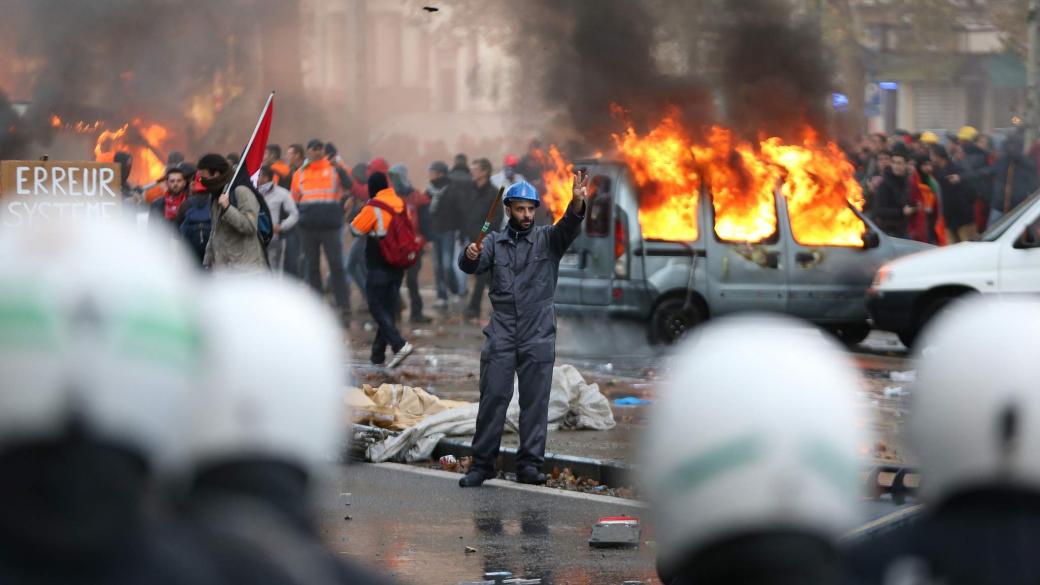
884, 275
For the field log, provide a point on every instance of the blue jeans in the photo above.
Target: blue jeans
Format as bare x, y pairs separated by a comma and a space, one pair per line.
354, 263
445, 260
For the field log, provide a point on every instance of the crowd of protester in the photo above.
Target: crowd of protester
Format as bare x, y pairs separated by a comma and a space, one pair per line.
326, 226
943, 190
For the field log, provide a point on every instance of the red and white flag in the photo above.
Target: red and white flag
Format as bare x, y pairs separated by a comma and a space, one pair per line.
253, 155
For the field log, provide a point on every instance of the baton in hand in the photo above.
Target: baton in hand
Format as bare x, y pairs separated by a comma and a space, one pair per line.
490, 216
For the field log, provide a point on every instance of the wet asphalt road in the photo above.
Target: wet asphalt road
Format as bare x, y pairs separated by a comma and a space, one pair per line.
416, 524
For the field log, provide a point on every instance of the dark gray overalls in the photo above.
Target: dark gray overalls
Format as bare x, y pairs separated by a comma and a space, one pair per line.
521, 337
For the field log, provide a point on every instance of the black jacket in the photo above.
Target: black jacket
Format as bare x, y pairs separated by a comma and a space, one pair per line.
476, 207
1021, 172
986, 537
892, 196
958, 201
444, 215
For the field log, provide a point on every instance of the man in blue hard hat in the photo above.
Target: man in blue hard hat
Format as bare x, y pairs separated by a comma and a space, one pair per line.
523, 262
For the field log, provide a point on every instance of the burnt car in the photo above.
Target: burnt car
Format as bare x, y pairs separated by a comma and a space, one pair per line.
613, 271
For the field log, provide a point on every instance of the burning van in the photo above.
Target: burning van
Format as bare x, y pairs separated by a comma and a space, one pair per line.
674, 262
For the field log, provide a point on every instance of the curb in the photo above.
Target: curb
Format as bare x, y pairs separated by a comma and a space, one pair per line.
882, 478
605, 471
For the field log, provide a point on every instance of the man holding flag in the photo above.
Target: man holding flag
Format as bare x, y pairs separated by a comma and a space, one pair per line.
241, 221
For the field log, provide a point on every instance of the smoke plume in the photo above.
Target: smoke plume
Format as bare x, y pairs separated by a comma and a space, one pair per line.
761, 64
199, 67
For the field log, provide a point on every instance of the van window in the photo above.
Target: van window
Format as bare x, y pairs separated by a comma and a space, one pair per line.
996, 230
601, 204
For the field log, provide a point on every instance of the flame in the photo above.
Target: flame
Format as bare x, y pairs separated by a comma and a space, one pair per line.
663, 167
142, 141
743, 178
820, 186
55, 122
558, 175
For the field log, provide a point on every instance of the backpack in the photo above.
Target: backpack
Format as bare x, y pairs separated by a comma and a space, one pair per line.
264, 223
401, 245
196, 227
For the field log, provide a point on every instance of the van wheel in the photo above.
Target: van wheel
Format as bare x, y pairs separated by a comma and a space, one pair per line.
851, 334
672, 319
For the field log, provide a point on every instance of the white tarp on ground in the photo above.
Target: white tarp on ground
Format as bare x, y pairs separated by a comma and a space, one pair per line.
573, 404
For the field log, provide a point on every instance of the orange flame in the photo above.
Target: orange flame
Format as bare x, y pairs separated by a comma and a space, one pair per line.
820, 186
743, 178
55, 122
142, 141
662, 165
558, 175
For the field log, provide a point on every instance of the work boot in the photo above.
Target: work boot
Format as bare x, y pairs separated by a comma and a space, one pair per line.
474, 478
530, 476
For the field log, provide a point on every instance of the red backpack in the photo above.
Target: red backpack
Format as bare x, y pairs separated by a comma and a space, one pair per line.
401, 245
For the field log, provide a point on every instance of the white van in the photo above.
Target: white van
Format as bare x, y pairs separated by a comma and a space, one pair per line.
908, 291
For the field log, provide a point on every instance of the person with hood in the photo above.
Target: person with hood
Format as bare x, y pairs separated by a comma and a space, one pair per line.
164, 210
977, 169
384, 281
418, 205
233, 243
284, 215
958, 199
444, 224
893, 207
319, 195
508, 175
1015, 178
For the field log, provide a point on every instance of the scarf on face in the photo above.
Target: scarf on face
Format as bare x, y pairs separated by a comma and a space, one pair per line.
212, 186
173, 204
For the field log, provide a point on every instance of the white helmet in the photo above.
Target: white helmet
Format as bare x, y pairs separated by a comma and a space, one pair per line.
277, 375
755, 430
97, 326
976, 398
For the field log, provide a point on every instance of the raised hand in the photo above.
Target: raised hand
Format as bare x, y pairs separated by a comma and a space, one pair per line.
581, 184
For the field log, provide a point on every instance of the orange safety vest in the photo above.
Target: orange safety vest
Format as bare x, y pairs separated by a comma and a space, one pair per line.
316, 182
280, 170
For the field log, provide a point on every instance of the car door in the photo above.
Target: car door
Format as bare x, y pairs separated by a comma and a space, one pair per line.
1019, 270
589, 262
829, 283
745, 277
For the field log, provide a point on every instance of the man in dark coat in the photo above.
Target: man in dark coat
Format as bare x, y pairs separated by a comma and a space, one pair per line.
958, 198
481, 198
892, 208
523, 262
1014, 178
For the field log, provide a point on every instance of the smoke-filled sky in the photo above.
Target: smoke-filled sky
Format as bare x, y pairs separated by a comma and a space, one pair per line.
764, 68
113, 60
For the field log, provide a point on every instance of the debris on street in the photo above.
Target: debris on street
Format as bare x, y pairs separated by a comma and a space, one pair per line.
616, 531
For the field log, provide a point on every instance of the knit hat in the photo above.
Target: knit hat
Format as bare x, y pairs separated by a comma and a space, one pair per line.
213, 162
439, 166
376, 183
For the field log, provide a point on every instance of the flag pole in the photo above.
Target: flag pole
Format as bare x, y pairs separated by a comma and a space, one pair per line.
249, 145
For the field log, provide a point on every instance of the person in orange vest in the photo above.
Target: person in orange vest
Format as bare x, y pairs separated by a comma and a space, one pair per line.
318, 193
282, 173
383, 284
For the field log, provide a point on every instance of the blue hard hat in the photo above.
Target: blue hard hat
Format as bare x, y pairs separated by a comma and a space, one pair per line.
522, 190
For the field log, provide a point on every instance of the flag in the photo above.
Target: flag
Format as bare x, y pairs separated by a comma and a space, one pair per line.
253, 155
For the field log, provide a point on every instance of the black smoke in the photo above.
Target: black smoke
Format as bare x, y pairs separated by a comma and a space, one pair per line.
774, 76
115, 60
761, 65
